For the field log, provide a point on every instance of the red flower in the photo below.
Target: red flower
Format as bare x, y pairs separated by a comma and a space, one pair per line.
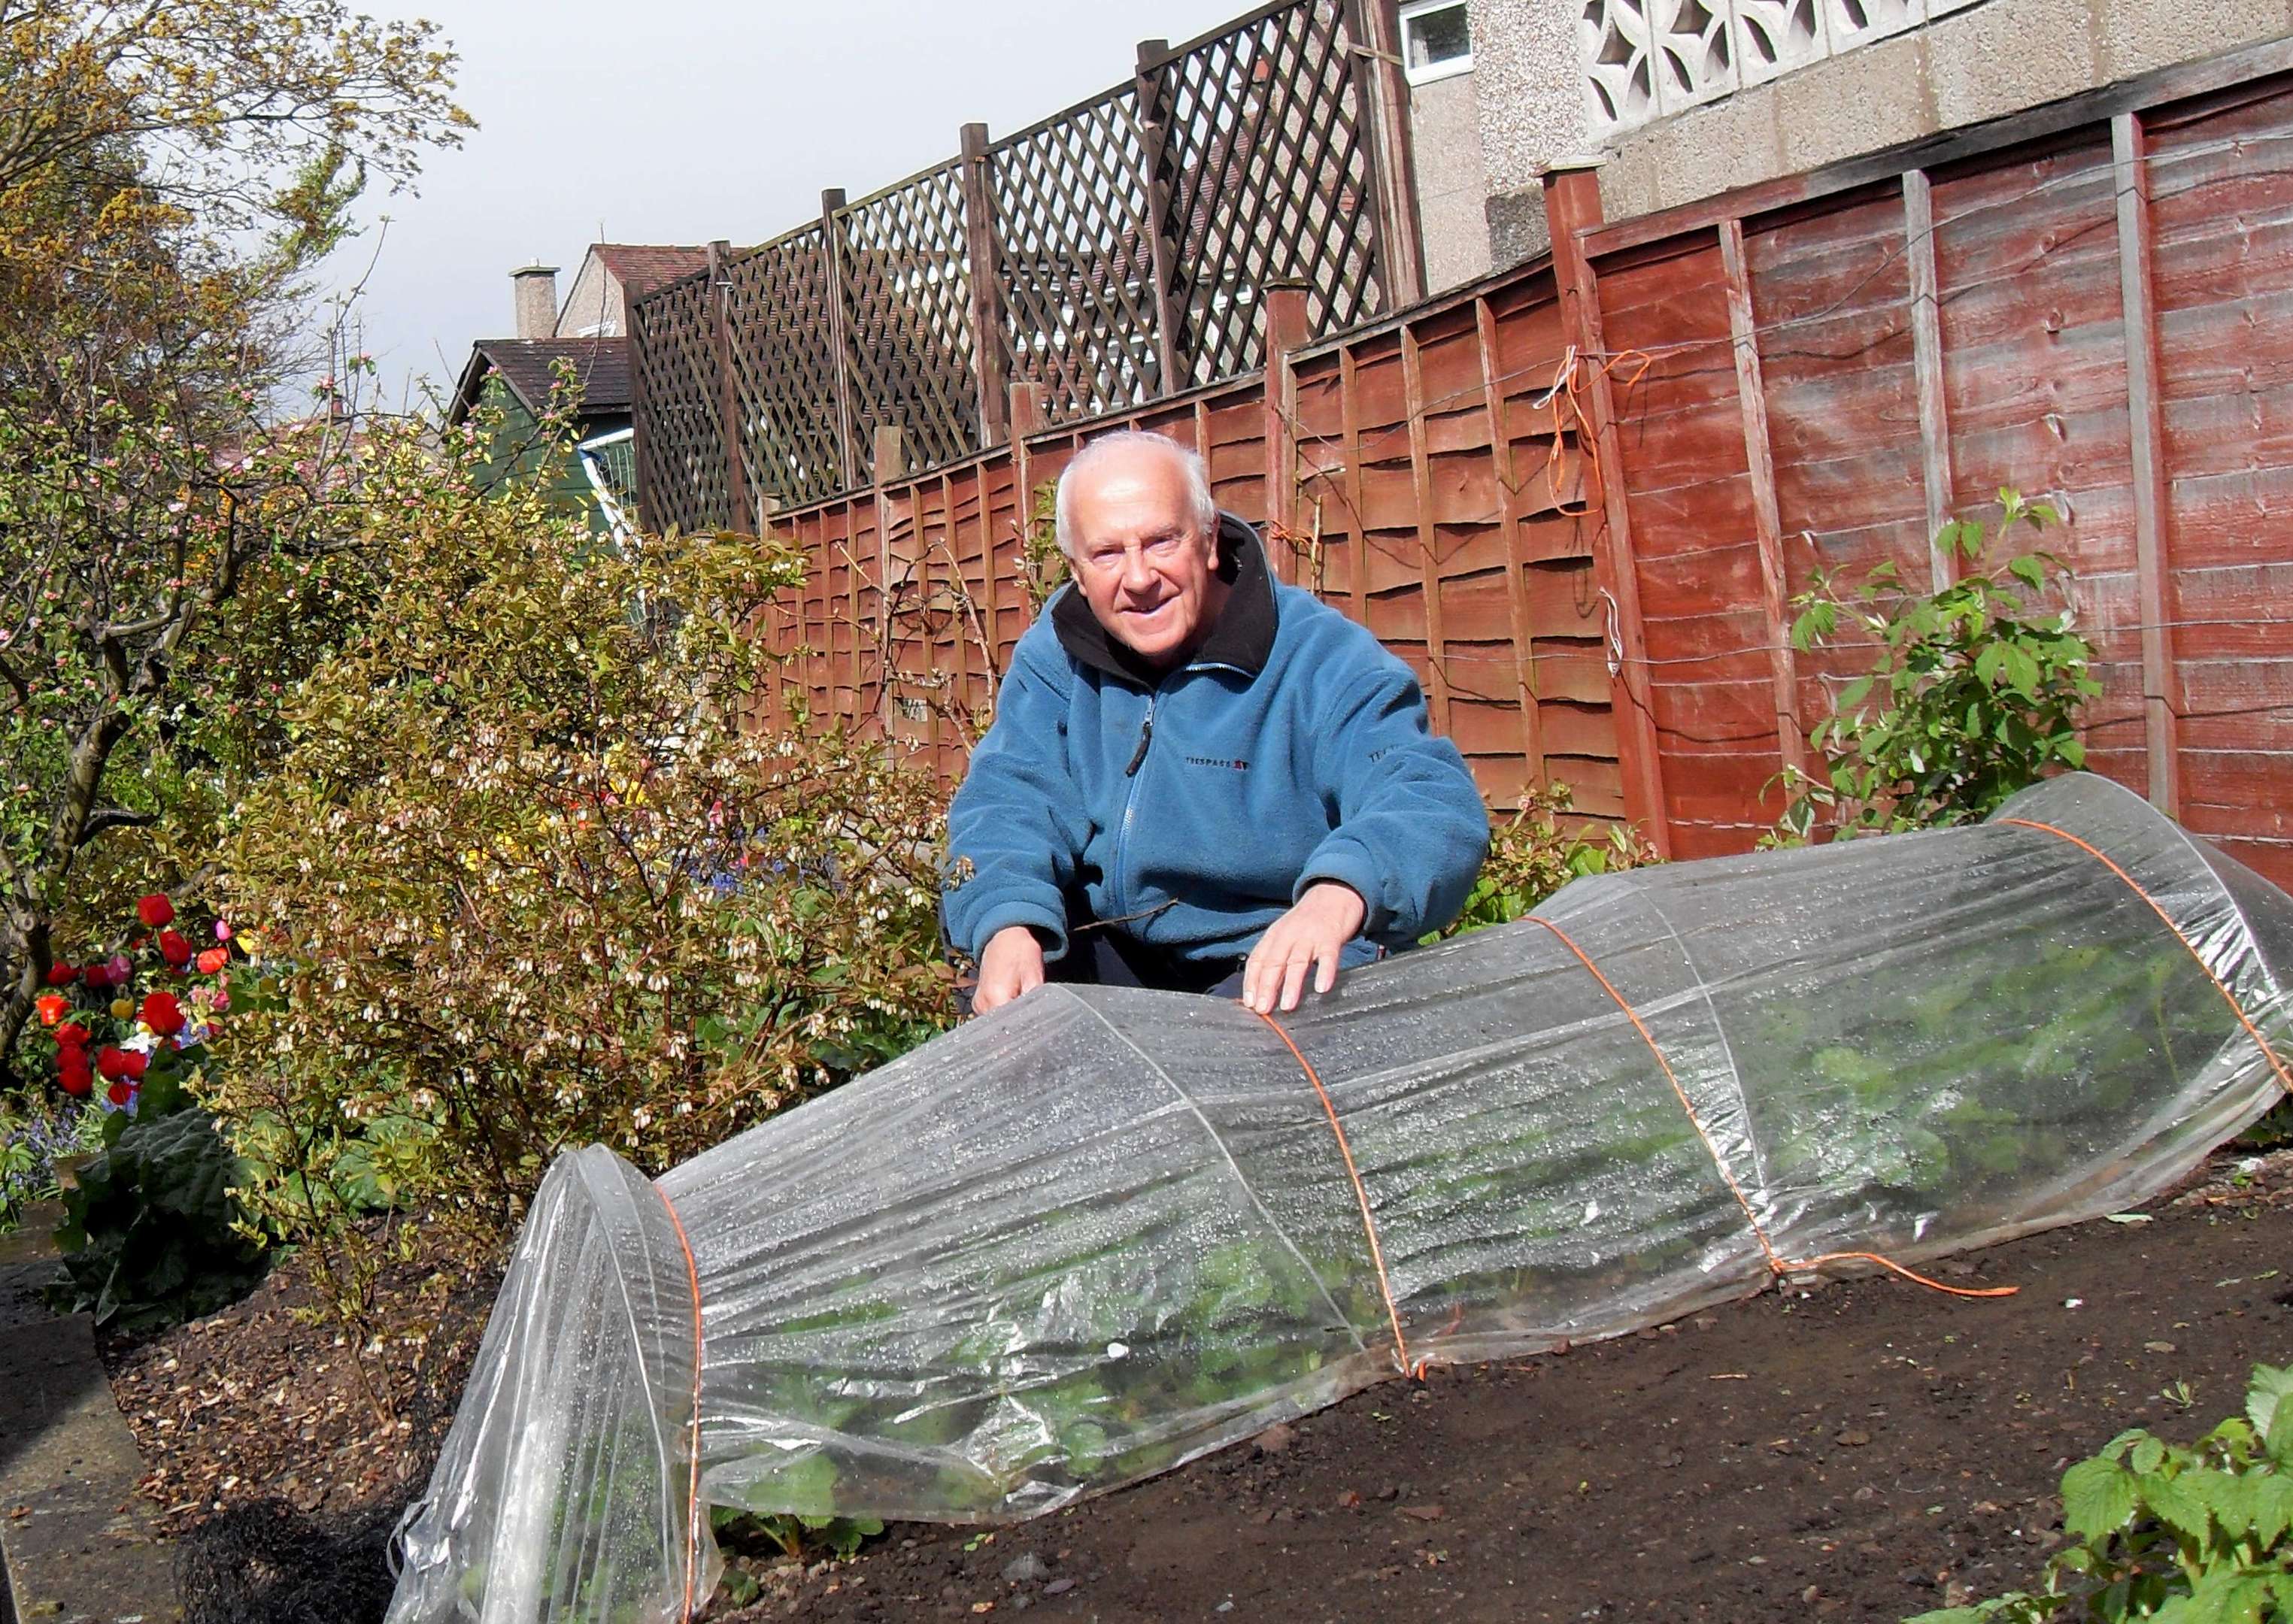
52, 1006
97, 977
110, 1063
214, 960
119, 1094
174, 949
162, 1014
155, 911
71, 1035
74, 1080
133, 1064
62, 975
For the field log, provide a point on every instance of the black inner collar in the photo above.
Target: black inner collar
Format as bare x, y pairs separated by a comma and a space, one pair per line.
1241, 640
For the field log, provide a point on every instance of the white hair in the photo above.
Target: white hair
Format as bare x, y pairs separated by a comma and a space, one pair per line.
1190, 464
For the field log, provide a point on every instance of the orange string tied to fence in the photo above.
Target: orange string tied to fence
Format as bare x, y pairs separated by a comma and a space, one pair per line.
1776, 1264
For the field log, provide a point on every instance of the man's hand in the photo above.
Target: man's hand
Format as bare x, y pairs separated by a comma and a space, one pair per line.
1013, 964
1309, 937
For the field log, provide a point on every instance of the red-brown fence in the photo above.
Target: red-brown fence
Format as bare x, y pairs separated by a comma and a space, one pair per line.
1578, 496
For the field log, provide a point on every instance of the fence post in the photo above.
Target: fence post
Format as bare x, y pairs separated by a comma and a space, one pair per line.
1154, 129
982, 246
1572, 202
1285, 331
638, 404
728, 388
888, 461
1381, 92
831, 239
2162, 698
1027, 417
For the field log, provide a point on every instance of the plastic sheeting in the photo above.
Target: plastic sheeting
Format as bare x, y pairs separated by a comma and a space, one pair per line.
1100, 1232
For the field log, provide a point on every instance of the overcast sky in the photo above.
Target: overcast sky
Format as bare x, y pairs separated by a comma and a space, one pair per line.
683, 120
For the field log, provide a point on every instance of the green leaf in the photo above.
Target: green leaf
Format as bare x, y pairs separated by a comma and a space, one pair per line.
2148, 1455
2028, 569
2273, 1508
2263, 1396
2178, 1504
2098, 1498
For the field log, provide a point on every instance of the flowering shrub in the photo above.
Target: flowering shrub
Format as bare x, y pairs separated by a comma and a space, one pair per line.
524, 879
174, 174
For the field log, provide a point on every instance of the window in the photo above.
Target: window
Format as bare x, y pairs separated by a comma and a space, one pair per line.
1436, 40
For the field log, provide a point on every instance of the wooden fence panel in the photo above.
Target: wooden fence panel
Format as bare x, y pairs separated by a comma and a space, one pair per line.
2096, 309
2221, 220
1484, 585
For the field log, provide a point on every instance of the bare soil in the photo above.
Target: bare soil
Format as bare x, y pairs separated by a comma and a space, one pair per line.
1864, 1451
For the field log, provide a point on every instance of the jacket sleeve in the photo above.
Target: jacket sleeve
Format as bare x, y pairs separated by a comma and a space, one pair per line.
1014, 834
1412, 830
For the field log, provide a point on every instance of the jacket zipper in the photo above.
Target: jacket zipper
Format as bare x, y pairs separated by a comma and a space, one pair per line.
1131, 807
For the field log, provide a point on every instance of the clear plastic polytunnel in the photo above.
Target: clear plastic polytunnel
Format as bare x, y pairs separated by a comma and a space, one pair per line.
1101, 1232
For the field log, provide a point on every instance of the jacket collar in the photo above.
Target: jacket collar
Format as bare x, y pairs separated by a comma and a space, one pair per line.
1241, 641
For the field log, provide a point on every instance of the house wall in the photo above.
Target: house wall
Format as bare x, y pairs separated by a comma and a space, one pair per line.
1977, 63
1452, 185
516, 449
593, 305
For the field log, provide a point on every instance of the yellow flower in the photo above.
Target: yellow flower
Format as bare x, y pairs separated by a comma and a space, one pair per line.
121, 1008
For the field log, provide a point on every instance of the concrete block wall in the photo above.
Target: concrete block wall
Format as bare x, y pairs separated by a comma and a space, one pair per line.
1996, 58
1452, 184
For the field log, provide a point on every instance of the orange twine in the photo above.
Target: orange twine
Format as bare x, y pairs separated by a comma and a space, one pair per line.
692, 1491
1775, 1263
1361, 1195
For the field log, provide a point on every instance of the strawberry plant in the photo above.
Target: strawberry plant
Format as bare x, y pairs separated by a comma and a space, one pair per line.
2183, 1535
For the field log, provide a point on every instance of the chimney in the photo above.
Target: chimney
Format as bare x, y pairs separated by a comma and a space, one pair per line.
536, 294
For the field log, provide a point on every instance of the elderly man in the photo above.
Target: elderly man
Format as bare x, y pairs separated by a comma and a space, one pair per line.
1198, 778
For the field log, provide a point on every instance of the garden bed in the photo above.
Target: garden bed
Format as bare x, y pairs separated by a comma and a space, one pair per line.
1856, 1453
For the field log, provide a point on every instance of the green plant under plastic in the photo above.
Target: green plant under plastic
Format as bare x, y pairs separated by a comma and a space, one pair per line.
2195, 1534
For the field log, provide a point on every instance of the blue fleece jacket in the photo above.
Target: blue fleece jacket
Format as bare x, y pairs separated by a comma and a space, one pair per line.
1197, 805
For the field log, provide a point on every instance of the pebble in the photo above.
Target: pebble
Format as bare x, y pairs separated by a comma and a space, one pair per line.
1024, 1568
1853, 1438
1059, 1587
1277, 1438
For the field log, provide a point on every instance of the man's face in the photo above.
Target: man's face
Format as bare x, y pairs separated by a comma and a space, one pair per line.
1141, 561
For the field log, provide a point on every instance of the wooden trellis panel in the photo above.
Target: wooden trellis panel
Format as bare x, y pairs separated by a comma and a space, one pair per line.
1076, 260
1268, 175
682, 471
907, 322
1123, 247
784, 363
